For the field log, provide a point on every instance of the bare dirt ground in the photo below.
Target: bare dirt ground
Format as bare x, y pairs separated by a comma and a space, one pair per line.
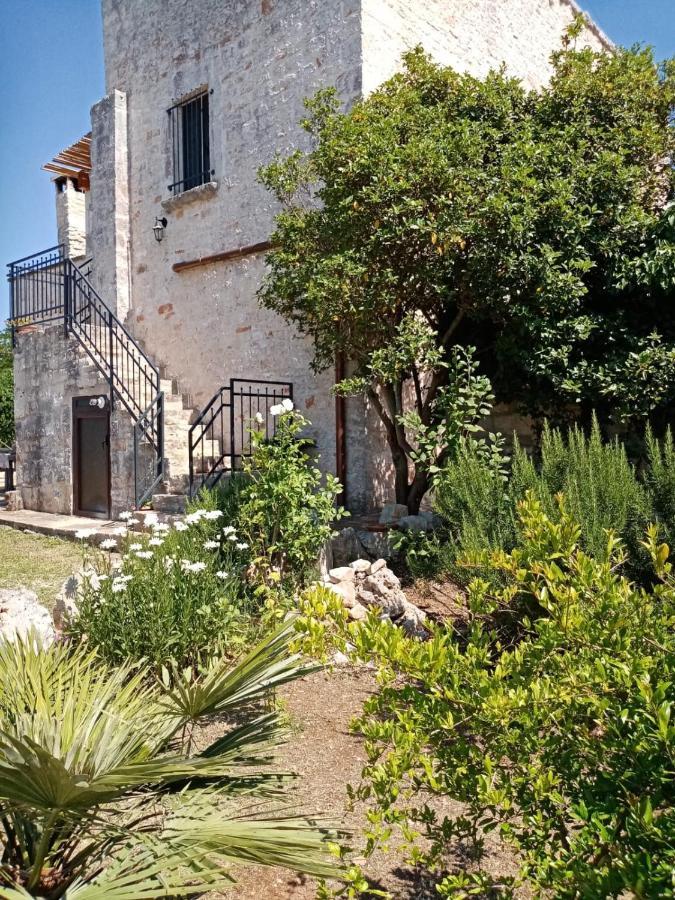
327, 757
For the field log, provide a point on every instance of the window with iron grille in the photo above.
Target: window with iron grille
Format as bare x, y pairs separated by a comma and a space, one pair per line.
189, 128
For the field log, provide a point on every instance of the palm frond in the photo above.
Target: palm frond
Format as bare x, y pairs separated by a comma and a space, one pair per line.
222, 689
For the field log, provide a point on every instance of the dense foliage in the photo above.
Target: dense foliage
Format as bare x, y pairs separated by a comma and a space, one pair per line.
103, 793
175, 594
286, 504
445, 209
6, 389
546, 713
477, 494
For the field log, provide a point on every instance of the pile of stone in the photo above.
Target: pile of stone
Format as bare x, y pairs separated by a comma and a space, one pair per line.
363, 585
21, 614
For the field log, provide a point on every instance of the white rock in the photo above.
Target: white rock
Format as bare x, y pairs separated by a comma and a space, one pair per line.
346, 591
358, 612
360, 565
340, 658
20, 612
342, 573
377, 565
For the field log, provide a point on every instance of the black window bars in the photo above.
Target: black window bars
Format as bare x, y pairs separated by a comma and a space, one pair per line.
189, 127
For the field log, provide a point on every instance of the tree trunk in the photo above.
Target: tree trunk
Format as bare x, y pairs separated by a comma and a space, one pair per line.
417, 490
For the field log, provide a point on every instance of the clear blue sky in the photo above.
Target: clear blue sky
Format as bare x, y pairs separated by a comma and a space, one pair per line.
51, 72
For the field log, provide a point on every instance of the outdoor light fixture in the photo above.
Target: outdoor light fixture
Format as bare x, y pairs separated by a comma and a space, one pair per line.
158, 228
97, 401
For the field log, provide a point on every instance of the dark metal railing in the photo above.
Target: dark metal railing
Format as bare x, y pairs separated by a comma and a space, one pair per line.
220, 437
50, 287
189, 125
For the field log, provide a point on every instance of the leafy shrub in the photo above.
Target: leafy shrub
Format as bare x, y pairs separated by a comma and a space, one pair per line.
102, 795
287, 506
477, 493
177, 594
548, 717
659, 477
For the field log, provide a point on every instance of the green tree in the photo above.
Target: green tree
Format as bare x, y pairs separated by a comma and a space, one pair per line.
446, 209
6, 389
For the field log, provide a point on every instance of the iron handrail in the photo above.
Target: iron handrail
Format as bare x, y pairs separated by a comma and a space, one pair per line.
131, 375
228, 442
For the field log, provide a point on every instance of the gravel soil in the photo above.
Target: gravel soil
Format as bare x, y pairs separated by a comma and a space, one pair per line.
327, 757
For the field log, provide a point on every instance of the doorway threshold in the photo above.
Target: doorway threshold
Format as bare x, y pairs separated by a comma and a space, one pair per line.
56, 525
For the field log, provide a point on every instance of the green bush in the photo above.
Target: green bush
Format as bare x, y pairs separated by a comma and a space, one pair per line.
104, 794
547, 718
177, 594
286, 505
478, 499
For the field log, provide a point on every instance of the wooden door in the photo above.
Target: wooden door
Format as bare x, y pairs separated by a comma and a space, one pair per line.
91, 457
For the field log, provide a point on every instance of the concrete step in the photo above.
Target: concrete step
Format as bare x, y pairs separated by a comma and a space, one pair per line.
170, 504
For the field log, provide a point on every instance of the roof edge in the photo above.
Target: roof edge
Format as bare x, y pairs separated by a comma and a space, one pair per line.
592, 25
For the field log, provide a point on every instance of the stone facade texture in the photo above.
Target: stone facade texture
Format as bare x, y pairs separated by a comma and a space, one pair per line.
259, 59
49, 371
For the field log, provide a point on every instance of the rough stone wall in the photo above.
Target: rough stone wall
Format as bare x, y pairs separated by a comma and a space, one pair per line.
260, 58
49, 370
470, 35
109, 232
71, 220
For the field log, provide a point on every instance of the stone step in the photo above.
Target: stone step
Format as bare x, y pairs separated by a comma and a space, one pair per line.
171, 504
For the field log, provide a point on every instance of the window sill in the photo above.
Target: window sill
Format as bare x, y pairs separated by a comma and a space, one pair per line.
201, 192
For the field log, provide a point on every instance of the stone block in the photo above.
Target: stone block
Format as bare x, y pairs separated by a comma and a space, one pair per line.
342, 573
361, 565
392, 512
377, 565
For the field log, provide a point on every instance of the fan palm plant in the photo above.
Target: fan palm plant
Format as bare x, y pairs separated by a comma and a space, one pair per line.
102, 796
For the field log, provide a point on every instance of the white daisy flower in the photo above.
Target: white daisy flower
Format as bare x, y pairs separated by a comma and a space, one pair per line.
84, 534
135, 546
287, 404
155, 542
161, 527
259, 418
180, 526
213, 514
232, 537
144, 554
222, 575
150, 519
108, 544
125, 516
188, 566
211, 545
229, 529
119, 586
276, 410
242, 546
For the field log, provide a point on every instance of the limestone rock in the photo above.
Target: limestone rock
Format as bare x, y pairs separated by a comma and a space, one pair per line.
21, 612
386, 588
377, 565
342, 573
358, 612
360, 565
375, 543
346, 590
392, 512
345, 547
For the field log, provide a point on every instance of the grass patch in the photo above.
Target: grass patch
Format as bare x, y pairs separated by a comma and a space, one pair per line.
36, 562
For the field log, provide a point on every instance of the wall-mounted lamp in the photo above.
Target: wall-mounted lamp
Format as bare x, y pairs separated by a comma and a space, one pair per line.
158, 228
97, 401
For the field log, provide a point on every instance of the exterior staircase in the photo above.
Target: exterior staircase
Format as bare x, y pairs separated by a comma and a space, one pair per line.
177, 448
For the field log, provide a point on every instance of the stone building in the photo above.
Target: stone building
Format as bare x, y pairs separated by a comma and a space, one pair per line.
131, 349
